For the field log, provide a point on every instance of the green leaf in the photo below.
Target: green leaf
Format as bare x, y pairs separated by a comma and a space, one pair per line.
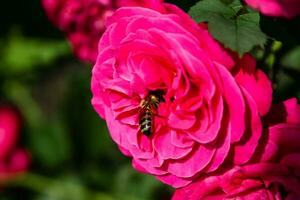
233, 25
20, 54
203, 10
241, 34
292, 59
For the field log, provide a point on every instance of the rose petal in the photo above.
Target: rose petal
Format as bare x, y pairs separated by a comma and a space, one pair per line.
144, 164
222, 147
293, 162
165, 149
256, 82
276, 8
9, 130
205, 135
199, 189
246, 147
181, 120
181, 139
234, 99
284, 112
188, 166
286, 136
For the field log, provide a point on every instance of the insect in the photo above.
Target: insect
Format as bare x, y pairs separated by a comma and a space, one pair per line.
149, 107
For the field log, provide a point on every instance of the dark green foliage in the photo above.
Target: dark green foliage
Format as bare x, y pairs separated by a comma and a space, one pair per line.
292, 59
234, 25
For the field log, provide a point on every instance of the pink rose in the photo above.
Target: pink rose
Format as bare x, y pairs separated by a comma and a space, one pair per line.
83, 21
9, 128
276, 8
153, 4
251, 182
209, 106
12, 160
274, 171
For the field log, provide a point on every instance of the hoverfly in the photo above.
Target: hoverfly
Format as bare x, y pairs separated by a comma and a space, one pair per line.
149, 107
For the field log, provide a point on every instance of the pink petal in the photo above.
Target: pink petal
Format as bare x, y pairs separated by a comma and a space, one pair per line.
222, 147
181, 121
265, 170
293, 162
9, 130
256, 194
246, 147
233, 97
165, 149
204, 136
284, 112
181, 139
125, 151
117, 134
196, 161
181, 84
144, 164
174, 181
200, 189
266, 150
276, 8
19, 161
126, 137
292, 111
157, 161
286, 136
256, 82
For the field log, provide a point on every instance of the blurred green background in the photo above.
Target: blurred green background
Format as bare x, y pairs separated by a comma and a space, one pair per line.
73, 156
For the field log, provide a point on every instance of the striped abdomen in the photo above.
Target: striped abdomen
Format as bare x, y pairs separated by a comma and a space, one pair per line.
149, 106
146, 121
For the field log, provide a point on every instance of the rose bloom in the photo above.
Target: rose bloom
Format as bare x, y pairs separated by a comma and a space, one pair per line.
82, 21
276, 8
13, 160
274, 172
210, 107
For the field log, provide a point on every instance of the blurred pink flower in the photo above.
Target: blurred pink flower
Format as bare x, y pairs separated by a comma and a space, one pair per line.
212, 104
274, 171
13, 160
83, 21
276, 8
153, 4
